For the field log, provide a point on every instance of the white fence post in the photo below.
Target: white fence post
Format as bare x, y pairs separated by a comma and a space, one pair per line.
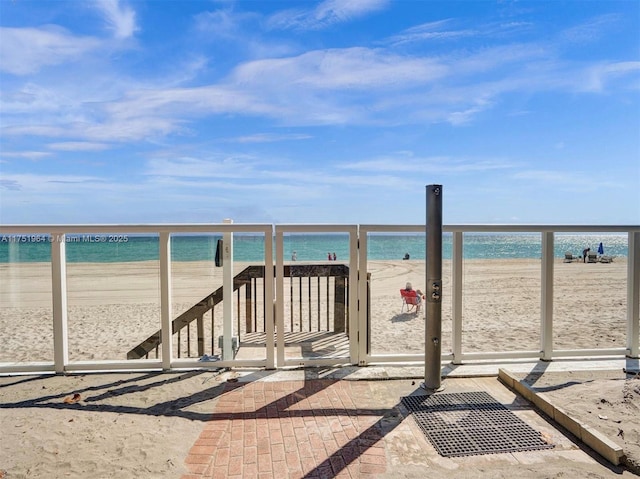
165, 300
356, 303
546, 306
633, 295
279, 307
456, 288
59, 299
269, 305
364, 315
227, 294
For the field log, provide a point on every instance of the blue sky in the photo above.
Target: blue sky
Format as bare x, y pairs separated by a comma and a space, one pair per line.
335, 111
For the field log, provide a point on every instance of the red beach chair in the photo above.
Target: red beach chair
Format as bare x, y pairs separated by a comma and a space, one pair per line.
410, 300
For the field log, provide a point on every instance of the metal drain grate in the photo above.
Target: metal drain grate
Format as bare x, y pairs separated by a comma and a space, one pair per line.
466, 424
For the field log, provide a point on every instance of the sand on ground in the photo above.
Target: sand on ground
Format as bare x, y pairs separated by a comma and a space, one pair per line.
122, 424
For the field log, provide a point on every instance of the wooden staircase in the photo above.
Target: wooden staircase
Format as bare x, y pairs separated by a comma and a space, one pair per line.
247, 280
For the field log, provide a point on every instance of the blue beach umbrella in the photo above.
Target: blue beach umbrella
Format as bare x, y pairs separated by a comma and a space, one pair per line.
600, 249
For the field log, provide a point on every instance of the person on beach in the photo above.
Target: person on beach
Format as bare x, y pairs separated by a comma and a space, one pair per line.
328, 256
294, 256
585, 252
334, 257
419, 295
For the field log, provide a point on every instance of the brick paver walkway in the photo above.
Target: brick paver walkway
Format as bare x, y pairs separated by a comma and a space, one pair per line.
290, 429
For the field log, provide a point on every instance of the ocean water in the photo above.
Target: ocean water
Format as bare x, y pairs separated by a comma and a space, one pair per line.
104, 248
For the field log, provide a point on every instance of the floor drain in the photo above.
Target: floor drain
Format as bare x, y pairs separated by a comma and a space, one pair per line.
472, 423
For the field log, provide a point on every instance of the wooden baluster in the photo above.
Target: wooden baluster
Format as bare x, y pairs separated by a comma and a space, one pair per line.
213, 331
249, 306
264, 306
291, 303
200, 326
339, 305
300, 298
328, 305
238, 313
318, 294
189, 339
309, 300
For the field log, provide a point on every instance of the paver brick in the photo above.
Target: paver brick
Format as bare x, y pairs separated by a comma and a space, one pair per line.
372, 468
293, 461
202, 450
280, 469
235, 465
264, 463
276, 437
198, 459
304, 449
236, 448
250, 454
222, 457
277, 452
250, 470
197, 468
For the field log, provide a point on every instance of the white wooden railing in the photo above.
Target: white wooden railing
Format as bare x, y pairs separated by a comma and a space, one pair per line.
358, 352
546, 351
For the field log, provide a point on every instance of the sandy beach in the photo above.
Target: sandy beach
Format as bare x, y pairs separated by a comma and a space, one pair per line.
112, 307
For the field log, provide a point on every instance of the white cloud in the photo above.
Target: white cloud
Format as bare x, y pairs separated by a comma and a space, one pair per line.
270, 138
598, 76
354, 85
228, 167
591, 30
27, 50
244, 173
430, 31
435, 164
334, 11
462, 117
445, 30
567, 181
356, 67
9, 185
126, 129
120, 18
223, 23
29, 155
31, 97
56, 185
35, 130
77, 146
339, 86
327, 13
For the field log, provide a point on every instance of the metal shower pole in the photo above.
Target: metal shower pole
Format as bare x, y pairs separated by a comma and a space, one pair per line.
433, 323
